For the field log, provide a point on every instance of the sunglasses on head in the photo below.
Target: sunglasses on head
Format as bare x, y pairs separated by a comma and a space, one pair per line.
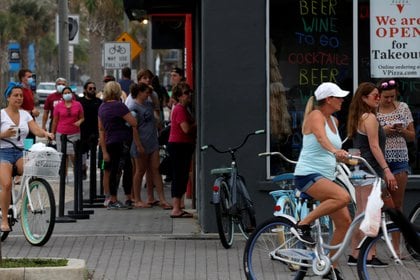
391, 84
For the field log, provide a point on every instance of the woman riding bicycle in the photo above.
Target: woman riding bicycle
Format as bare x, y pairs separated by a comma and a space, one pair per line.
314, 172
15, 126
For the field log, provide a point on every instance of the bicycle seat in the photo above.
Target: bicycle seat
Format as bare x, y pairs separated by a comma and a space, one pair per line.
221, 171
284, 177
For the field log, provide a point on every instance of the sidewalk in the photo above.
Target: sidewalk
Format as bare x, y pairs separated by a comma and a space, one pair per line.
141, 244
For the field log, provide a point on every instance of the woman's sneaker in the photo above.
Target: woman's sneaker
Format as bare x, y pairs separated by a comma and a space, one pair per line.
333, 272
303, 233
116, 205
375, 262
352, 261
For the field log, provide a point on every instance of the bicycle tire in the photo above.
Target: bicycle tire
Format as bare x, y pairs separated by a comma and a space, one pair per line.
273, 239
409, 269
38, 225
245, 214
224, 218
414, 218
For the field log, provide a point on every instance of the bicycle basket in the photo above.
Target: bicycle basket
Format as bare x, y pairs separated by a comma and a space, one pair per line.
41, 163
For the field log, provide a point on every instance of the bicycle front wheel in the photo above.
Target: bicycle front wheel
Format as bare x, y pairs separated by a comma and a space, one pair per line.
38, 212
223, 217
414, 219
272, 252
408, 269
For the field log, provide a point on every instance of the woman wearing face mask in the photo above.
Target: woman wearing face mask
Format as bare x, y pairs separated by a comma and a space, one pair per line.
68, 115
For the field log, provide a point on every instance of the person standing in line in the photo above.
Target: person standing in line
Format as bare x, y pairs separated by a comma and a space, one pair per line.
148, 159
14, 126
89, 133
181, 147
397, 121
51, 101
145, 76
117, 129
26, 79
315, 169
68, 116
126, 81
369, 137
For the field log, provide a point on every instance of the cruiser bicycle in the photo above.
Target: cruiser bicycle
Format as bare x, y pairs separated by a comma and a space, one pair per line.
272, 249
32, 202
230, 197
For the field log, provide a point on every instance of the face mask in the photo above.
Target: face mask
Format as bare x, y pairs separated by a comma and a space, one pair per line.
30, 80
60, 88
67, 96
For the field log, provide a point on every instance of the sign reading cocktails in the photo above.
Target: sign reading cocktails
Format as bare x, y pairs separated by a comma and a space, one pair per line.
395, 38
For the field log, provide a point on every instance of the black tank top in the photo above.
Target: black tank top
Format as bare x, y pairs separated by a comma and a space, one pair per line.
360, 141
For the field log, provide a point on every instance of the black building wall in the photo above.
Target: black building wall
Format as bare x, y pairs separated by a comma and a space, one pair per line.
231, 98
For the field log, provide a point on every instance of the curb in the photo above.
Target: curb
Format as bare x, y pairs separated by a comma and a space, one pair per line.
75, 270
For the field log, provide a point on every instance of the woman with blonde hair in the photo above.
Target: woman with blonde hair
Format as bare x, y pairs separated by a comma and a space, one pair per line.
116, 129
314, 172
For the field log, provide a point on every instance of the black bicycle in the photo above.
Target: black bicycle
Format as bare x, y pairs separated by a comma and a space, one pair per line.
230, 197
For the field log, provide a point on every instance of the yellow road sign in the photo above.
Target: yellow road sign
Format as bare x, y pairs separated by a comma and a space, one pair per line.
136, 49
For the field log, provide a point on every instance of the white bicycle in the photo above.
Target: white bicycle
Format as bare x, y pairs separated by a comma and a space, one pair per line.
33, 201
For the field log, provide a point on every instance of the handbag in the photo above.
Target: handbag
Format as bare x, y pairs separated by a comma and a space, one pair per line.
371, 223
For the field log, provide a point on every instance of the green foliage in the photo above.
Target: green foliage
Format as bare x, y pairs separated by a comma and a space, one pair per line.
26, 262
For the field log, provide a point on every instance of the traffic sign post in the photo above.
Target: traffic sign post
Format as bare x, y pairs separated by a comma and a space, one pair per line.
117, 55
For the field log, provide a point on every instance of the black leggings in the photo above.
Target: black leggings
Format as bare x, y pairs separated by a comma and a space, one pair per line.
120, 160
180, 155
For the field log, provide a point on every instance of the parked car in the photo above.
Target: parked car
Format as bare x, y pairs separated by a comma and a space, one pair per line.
44, 89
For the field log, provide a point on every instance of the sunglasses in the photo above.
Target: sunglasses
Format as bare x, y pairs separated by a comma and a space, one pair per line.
91, 88
391, 84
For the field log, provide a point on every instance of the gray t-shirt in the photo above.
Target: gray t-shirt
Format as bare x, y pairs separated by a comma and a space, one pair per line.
146, 127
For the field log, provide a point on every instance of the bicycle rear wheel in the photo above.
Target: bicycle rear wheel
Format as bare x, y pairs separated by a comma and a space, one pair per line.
272, 251
245, 214
223, 217
38, 221
409, 269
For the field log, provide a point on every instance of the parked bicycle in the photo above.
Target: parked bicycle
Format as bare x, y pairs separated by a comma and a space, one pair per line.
32, 202
272, 249
230, 197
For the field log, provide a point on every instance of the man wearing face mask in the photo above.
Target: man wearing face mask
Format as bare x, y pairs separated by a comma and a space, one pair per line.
52, 101
89, 133
26, 79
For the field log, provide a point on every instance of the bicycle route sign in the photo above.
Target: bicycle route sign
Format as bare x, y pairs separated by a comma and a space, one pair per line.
117, 55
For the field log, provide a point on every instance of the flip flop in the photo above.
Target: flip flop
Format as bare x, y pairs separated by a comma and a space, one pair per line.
154, 203
183, 214
165, 206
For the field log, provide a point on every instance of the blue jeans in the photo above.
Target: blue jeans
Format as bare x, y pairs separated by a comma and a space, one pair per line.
10, 155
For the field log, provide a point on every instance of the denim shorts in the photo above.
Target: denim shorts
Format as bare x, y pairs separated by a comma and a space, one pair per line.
399, 166
303, 183
10, 155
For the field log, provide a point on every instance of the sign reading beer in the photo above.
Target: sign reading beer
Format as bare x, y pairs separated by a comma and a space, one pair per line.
395, 38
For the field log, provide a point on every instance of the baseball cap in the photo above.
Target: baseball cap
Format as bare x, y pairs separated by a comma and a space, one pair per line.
179, 71
328, 89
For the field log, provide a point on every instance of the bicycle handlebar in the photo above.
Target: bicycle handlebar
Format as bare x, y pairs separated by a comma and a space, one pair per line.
232, 150
267, 154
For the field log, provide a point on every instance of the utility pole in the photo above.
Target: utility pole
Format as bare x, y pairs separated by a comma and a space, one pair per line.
63, 40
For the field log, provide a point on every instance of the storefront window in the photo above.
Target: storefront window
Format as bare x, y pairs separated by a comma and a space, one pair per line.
312, 42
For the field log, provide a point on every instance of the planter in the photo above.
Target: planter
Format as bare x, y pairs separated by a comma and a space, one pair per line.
75, 270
